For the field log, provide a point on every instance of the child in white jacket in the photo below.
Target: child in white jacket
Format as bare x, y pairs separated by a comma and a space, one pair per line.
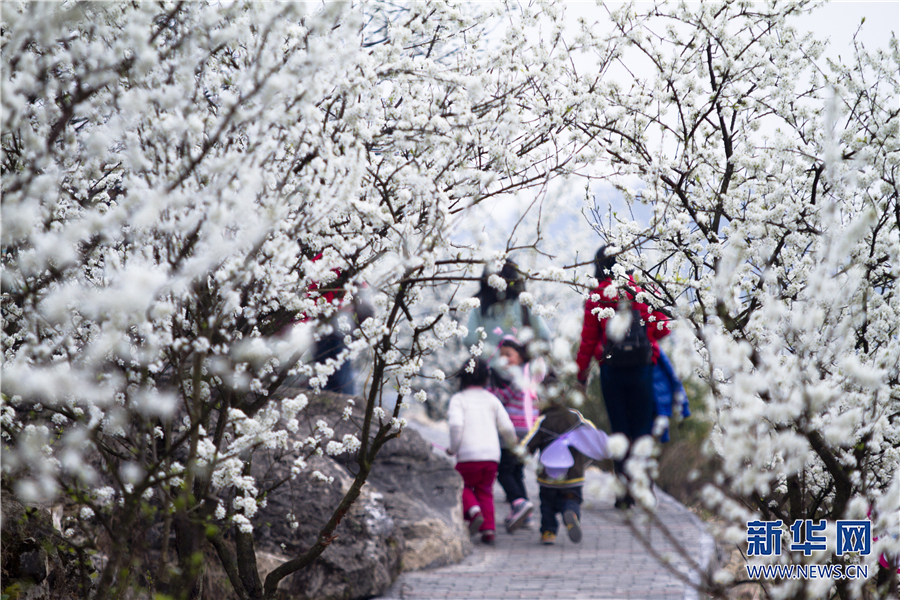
477, 421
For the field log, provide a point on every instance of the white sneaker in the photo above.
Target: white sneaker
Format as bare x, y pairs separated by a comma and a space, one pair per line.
475, 519
521, 510
529, 523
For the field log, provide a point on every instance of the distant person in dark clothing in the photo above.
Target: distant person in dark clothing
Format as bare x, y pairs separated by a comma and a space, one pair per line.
627, 388
330, 345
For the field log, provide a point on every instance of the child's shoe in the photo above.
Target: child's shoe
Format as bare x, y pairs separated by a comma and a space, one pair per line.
488, 536
475, 518
548, 538
521, 510
529, 522
573, 525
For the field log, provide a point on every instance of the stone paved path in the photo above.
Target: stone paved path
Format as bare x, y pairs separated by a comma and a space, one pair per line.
609, 563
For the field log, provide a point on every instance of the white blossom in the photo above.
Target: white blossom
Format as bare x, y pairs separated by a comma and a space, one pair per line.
618, 446
553, 274
334, 448
246, 504
322, 477
497, 282
469, 304
351, 443
242, 523
193, 201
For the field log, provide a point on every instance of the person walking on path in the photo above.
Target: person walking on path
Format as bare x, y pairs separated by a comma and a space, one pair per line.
626, 373
501, 311
560, 490
477, 421
513, 382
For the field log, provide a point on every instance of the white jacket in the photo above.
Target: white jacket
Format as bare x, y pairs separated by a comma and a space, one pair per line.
476, 418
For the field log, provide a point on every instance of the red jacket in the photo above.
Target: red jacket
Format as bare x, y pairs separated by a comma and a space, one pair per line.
593, 331
331, 296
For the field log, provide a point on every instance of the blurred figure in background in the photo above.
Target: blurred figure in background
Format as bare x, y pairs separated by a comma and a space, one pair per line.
501, 312
626, 352
514, 382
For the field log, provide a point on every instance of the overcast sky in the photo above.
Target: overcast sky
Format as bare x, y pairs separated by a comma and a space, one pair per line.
836, 20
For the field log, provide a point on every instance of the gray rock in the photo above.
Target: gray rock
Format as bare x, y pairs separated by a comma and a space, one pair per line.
33, 562
408, 515
423, 493
362, 561
31, 559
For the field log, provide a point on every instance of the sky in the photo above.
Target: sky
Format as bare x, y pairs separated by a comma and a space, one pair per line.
835, 20
838, 21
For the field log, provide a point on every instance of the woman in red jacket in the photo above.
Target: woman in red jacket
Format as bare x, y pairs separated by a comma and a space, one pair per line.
626, 368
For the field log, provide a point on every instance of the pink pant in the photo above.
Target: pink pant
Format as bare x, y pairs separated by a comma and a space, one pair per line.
478, 489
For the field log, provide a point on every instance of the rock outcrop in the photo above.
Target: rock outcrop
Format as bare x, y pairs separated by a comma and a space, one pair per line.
422, 493
408, 516
33, 567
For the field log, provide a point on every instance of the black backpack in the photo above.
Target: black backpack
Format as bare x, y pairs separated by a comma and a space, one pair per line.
633, 350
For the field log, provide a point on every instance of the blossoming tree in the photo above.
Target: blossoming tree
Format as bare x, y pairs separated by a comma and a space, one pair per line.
183, 185
771, 178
